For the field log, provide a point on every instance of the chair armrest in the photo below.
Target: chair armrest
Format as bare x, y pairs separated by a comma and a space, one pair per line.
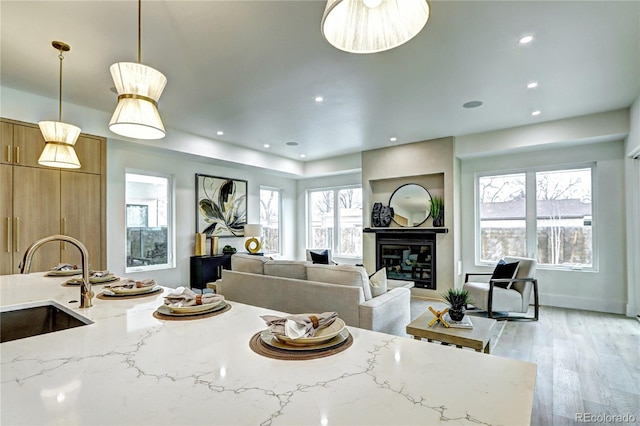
468, 274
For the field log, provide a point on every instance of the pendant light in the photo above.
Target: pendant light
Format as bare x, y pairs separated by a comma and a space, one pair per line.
370, 26
59, 137
139, 88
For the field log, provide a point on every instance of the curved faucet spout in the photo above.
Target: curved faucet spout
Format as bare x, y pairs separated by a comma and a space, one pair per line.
85, 288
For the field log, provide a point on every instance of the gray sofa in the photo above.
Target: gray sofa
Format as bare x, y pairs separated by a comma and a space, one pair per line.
302, 287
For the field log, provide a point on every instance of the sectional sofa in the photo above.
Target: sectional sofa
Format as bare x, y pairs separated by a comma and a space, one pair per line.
303, 287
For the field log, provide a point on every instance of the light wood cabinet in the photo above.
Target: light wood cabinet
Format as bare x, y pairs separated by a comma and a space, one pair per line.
38, 201
80, 213
6, 214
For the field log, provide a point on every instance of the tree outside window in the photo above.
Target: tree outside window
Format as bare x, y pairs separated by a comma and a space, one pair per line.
335, 220
561, 220
270, 206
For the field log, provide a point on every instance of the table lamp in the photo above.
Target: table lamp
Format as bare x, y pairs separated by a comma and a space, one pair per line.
253, 232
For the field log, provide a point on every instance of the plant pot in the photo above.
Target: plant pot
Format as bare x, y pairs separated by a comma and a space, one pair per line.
438, 222
457, 314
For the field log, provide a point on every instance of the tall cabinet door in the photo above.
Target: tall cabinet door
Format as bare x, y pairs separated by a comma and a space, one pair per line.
6, 142
36, 213
80, 214
28, 145
6, 214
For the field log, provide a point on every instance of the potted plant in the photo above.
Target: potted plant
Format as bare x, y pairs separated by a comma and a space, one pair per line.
457, 300
437, 210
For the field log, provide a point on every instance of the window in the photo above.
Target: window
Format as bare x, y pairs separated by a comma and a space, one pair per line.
270, 207
335, 220
149, 221
547, 212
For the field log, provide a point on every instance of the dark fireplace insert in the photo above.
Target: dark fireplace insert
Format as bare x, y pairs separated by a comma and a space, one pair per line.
408, 256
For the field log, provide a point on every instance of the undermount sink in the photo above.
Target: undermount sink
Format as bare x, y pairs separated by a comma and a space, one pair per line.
33, 319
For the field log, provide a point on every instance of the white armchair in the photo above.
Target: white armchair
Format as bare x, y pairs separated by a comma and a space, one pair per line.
513, 297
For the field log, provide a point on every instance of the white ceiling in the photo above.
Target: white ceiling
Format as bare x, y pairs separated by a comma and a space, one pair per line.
253, 68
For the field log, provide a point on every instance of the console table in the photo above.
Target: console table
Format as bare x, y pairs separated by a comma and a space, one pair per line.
206, 269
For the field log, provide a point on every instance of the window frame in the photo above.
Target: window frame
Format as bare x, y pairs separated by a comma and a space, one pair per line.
336, 219
280, 233
171, 229
531, 229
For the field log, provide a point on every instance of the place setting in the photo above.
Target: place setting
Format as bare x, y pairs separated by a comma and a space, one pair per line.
95, 277
184, 304
63, 270
301, 337
127, 288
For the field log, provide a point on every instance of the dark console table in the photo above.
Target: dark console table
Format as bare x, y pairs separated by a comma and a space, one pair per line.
206, 269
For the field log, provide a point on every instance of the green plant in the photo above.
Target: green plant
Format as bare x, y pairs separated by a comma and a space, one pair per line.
457, 299
437, 207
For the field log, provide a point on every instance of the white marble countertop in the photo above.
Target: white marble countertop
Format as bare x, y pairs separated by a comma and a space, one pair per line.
130, 368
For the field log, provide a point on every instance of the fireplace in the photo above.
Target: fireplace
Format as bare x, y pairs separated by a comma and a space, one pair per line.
407, 255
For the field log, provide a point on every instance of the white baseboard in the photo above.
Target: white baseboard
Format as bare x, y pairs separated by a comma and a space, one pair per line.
588, 304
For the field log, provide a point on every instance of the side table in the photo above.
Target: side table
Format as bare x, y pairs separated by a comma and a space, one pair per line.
476, 338
204, 269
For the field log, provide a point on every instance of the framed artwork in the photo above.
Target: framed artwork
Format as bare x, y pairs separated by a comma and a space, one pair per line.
221, 206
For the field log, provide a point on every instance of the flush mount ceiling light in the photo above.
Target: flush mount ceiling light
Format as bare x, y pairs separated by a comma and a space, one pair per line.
370, 26
59, 137
139, 88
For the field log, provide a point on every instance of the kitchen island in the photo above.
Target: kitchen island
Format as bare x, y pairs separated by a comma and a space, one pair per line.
129, 368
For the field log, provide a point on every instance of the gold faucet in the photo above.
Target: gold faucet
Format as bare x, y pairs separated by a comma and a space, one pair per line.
85, 288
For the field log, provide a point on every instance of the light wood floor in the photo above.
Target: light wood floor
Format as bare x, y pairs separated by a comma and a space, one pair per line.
588, 362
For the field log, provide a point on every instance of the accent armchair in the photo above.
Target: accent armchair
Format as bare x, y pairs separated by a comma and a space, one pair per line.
500, 296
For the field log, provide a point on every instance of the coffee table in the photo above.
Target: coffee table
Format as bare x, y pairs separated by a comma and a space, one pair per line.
476, 338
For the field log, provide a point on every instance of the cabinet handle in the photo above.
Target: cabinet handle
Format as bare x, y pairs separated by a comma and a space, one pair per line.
17, 155
8, 235
64, 231
16, 234
8, 153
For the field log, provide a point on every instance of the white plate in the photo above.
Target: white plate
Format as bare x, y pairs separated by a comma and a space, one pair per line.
322, 335
64, 273
194, 309
132, 291
164, 310
270, 339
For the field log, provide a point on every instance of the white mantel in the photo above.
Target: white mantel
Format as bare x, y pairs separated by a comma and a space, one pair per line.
130, 368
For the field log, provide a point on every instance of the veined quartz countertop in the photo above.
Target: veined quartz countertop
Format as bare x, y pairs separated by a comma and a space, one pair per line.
130, 368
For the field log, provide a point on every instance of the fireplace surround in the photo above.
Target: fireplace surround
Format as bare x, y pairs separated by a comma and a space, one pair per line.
408, 254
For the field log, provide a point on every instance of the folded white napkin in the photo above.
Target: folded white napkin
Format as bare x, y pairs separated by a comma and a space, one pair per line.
182, 296
129, 283
296, 326
99, 274
64, 267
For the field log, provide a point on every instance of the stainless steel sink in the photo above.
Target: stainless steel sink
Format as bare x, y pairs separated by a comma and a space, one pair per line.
33, 319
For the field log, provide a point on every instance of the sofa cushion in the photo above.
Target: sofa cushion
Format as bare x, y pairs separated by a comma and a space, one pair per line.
252, 264
321, 258
378, 282
504, 270
350, 275
286, 269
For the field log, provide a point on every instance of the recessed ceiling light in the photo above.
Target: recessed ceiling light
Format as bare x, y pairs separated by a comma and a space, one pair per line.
526, 39
292, 143
303, 156
535, 113
266, 145
393, 139
532, 85
319, 99
472, 104
220, 133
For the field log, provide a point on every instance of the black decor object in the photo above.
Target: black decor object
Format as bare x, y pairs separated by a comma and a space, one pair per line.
386, 214
457, 314
375, 215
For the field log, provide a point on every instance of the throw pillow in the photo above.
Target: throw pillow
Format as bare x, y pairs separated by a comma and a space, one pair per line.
505, 270
321, 258
378, 282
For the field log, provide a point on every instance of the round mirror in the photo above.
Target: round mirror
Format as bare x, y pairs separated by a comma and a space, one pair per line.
411, 205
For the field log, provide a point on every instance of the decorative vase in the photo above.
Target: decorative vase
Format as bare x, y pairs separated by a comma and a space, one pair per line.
457, 314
